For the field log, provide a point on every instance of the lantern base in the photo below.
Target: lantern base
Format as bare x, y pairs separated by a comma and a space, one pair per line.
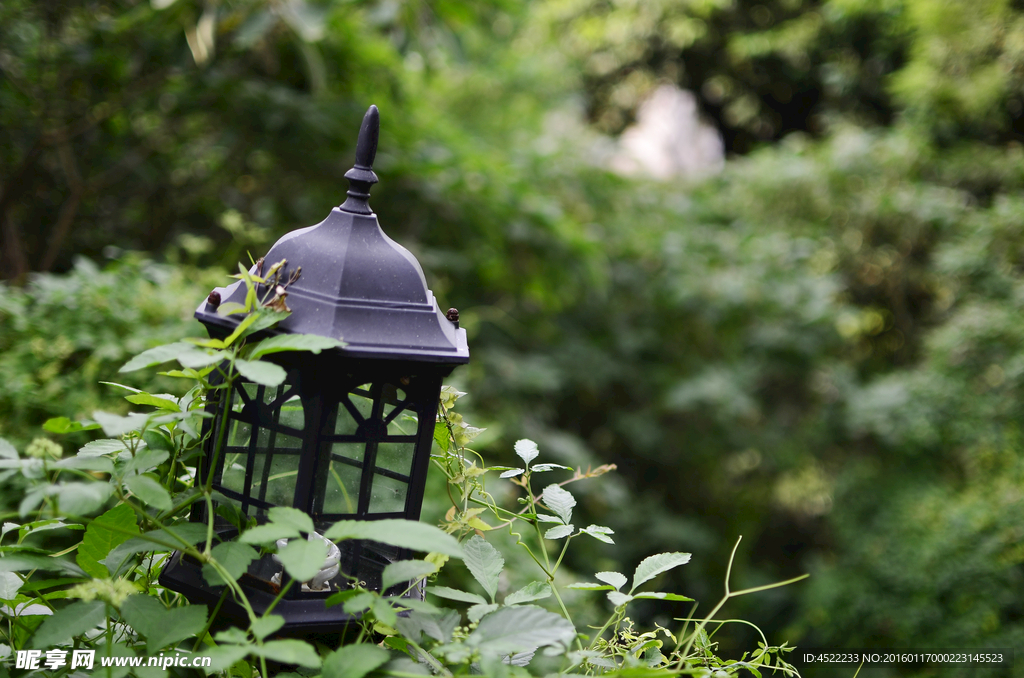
305, 612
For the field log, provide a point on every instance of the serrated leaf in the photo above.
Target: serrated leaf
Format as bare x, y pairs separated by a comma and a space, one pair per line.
652, 566
600, 533
156, 356
441, 436
560, 501
290, 652
559, 531
519, 628
527, 450
384, 612
145, 460
512, 473
10, 584
233, 557
354, 661
100, 538
545, 518
292, 517
265, 626
268, 533
590, 586
484, 563
153, 401
149, 491
196, 358
535, 590
455, 594
160, 626
102, 447
169, 539
223, 657
303, 558
619, 598
73, 620
261, 372
657, 595
614, 578
403, 571
477, 612
265, 318
358, 603
416, 623
313, 343
409, 534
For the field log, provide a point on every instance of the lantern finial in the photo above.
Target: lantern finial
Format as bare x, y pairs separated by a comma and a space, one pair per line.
361, 176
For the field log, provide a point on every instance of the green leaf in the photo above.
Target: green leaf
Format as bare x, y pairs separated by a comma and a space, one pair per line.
101, 464
160, 626
303, 558
230, 308
657, 595
101, 447
527, 450
408, 534
403, 571
619, 598
590, 586
383, 611
107, 531
441, 436
265, 317
73, 620
559, 531
616, 579
233, 557
65, 425
512, 473
10, 584
560, 501
79, 499
290, 652
153, 401
115, 425
265, 626
268, 533
455, 594
484, 562
523, 627
156, 356
167, 539
292, 517
20, 562
261, 372
545, 518
358, 603
535, 590
149, 491
354, 661
600, 533
313, 343
7, 450
223, 657
652, 566
243, 325
145, 460
477, 612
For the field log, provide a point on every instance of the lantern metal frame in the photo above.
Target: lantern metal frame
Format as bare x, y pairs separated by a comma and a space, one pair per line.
335, 426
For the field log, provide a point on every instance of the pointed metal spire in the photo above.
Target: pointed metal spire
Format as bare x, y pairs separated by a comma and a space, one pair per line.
361, 177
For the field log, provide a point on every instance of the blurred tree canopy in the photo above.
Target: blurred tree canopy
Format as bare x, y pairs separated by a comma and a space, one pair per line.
821, 348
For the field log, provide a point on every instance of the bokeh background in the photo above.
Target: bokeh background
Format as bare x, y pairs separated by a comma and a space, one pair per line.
766, 256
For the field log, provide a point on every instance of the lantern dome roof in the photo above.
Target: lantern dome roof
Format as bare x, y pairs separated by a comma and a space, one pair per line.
356, 284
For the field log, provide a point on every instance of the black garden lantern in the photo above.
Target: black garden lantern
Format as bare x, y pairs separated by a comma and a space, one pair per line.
347, 436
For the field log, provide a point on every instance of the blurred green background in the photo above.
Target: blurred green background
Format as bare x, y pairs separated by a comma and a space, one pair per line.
817, 344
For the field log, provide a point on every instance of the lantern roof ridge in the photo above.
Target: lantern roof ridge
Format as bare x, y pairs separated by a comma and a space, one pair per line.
356, 283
